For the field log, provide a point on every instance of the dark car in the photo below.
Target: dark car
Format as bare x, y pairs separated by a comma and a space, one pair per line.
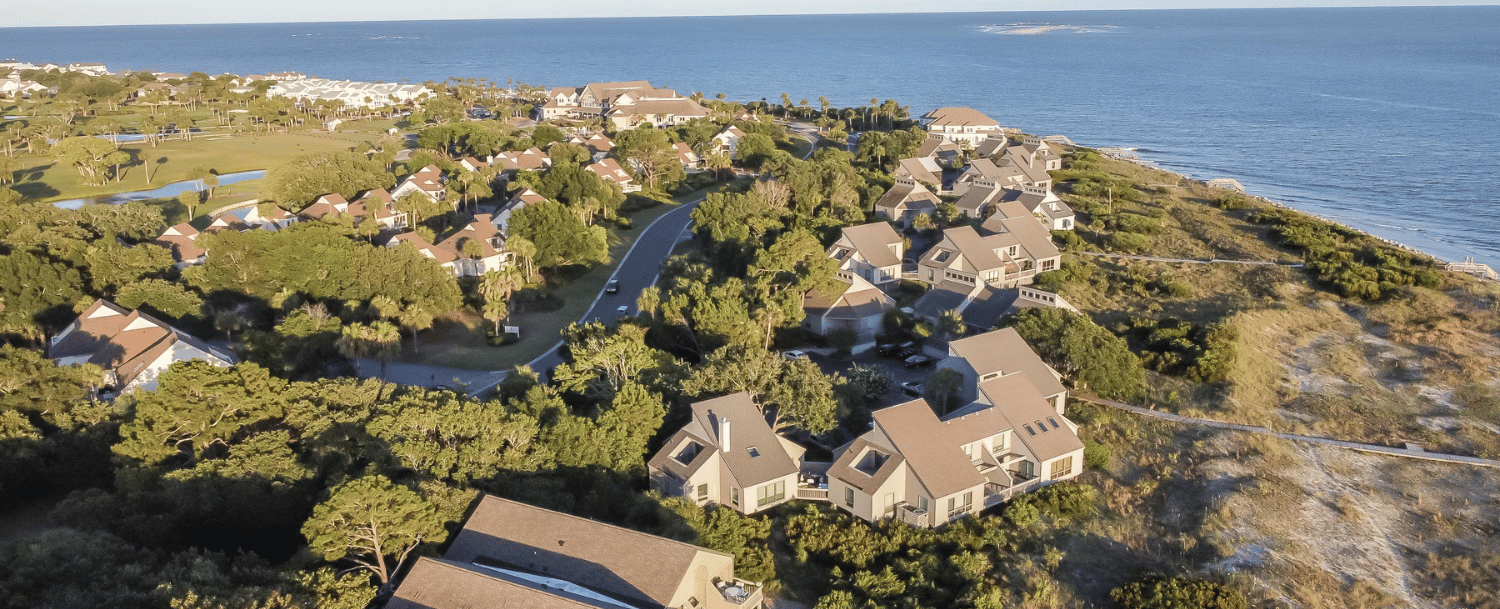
912, 388
903, 350
612, 287
919, 361
908, 350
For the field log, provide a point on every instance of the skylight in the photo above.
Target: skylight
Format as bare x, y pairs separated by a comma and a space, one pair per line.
754, 452
1029, 430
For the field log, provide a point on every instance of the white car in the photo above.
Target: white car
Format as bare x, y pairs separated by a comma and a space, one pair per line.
794, 354
623, 309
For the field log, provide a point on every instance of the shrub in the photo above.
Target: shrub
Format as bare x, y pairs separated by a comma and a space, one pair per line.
1129, 242
1160, 592
1022, 513
1230, 200
1136, 223
1096, 455
1067, 240
1095, 358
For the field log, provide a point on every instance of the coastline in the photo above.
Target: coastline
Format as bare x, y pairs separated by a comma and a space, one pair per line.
1125, 154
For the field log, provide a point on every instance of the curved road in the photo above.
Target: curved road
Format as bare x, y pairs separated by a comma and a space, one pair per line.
636, 272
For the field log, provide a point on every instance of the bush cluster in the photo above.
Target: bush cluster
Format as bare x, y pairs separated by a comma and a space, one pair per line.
1203, 353
1347, 261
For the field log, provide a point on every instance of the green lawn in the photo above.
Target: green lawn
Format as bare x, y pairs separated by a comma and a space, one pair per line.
40, 177
458, 339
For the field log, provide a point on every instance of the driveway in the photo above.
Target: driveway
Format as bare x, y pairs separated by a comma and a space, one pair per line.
424, 375
639, 270
899, 373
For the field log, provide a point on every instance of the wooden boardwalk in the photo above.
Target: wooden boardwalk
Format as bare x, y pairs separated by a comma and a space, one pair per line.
1190, 260
1369, 448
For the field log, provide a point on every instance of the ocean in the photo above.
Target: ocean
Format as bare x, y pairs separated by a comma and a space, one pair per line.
1386, 119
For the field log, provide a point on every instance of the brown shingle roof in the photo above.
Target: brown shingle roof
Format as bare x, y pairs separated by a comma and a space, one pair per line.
1018, 401
923, 441
959, 116
844, 468
748, 429
874, 241
442, 584
1006, 352
614, 560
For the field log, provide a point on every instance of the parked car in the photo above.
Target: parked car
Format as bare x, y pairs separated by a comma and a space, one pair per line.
912, 388
900, 350
908, 350
612, 287
623, 309
919, 361
794, 354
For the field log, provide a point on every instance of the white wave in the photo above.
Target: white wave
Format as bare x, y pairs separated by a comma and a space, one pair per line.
1033, 29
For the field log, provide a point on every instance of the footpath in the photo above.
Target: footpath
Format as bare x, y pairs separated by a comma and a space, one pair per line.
1369, 448
1190, 260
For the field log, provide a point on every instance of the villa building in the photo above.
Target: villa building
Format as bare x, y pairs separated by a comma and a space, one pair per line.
132, 347
728, 455
510, 555
625, 105
872, 252
959, 124
453, 253
928, 468
906, 200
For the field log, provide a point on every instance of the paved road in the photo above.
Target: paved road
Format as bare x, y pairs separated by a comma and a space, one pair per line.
1369, 448
425, 375
636, 272
1191, 261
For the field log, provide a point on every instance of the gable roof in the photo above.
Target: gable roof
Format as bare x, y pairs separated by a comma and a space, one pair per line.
482, 230
121, 340
959, 116
845, 465
935, 145
874, 241
443, 584
748, 429
925, 442
1027, 411
1006, 352
1011, 218
614, 560
922, 169
906, 194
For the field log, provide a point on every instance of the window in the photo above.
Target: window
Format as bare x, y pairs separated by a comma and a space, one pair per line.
1029, 429
1062, 467
1028, 470
734, 495
922, 502
848, 496
890, 505
702, 492
770, 493
1048, 265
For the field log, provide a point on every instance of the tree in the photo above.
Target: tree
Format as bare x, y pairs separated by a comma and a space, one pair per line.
754, 148
803, 397
91, 156
943, 390
189, 200
1161, 592
196, 406
1093, 357
951, 324
560, 237
169, 298
300, 181
369, 519
496, 287
603, 359
380, 340
652, 152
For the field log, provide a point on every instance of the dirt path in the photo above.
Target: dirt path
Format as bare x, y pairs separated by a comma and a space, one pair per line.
1369, 448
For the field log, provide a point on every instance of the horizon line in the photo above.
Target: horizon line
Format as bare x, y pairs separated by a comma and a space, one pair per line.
733, 15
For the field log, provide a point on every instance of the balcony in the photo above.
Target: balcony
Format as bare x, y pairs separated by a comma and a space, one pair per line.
738, 594
812, 494
996, 494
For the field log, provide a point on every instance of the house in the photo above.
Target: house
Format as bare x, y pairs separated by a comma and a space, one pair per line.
906, 200
991, 355
530, 159
1042, 204
132, 347
928, 469
380, 206
872, 252
939, 148
599, 146
268, 216
625, 105
522, 198
727, 141
859, 306
1032, 163
472, 164
728, 455
611, 171
428, 181
959, 124
924, 170
182, 240
492, 255
690, 160
331, 205
510, 555
1038, 149
451, 254
981, 169
983, 306
1009, 252
656, 113
353, 94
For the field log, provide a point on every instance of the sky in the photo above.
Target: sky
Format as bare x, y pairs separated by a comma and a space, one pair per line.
140, 12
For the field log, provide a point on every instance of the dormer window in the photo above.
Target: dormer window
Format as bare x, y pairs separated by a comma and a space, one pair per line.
871, 462
688, 452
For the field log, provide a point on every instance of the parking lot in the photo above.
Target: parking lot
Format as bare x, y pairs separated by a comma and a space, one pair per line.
891, 364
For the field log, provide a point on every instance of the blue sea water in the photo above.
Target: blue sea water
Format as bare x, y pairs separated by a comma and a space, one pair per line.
1387, 119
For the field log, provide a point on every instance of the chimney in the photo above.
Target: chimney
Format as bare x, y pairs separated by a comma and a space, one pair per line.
724, 434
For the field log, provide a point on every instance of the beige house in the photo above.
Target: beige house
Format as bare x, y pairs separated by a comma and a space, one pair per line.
906, 200
727, 141
428, 181
626, 104
611, 171
860, 307
985, 357
1009, 252
869, 251
132, 347
377, 205
959, 124
928, 469
728, 455
451, 253
510, 555
182, 239
924, 170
